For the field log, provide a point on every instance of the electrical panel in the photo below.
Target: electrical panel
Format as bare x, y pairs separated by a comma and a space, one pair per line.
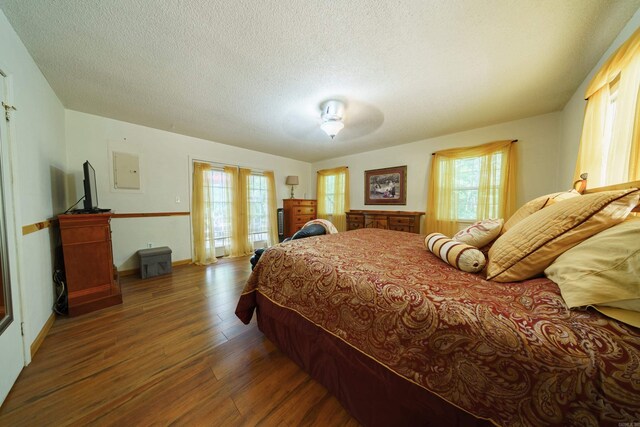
126, 171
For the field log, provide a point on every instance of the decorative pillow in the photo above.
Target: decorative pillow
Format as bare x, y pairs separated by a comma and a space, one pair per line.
603, 271
461, 256
480, 233
533, 243
535, 205
565, 195
328, 225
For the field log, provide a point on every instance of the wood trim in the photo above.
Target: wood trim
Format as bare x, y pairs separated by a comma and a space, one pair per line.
35, 345
32, 228
623, 186
134, 271
149, 214
181, 262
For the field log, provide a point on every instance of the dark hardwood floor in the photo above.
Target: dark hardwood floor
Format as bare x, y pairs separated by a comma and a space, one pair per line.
173, 352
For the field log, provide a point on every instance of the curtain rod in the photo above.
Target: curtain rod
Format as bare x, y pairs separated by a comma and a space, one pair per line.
320, 170
512, 141
227, 164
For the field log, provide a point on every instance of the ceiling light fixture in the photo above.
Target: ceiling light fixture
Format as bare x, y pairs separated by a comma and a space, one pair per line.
332, 115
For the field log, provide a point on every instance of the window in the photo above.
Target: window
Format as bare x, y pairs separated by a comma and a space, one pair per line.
258, 217
610, 143
330, 194
219, 186
468, 184
333, 196
607, 135
258, 210
233, 211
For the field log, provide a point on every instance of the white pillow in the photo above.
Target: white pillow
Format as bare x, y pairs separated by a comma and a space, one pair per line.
480, 233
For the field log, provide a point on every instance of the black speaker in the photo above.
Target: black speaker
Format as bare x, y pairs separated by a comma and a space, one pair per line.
280, 224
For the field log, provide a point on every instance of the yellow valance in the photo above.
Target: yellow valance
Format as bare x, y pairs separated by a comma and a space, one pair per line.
616, 62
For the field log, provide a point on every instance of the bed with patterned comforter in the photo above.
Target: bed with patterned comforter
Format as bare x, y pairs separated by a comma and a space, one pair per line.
379, 320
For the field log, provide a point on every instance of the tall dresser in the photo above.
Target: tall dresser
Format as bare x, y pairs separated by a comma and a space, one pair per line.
92, 280
296, 214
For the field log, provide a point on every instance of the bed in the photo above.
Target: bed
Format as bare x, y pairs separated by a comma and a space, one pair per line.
402, 338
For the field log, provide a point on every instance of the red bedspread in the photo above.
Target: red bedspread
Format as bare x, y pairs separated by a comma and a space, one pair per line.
509, 352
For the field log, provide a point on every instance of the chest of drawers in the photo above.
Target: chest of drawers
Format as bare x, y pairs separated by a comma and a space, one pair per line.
296, 214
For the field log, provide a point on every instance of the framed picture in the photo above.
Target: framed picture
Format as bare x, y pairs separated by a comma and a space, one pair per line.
386, 186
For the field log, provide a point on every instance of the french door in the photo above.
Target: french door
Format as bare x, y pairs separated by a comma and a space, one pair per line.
11, 343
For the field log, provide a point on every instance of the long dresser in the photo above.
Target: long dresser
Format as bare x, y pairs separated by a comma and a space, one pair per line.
296, 214
389, 220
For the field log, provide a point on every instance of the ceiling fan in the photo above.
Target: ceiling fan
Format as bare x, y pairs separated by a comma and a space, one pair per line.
315, 121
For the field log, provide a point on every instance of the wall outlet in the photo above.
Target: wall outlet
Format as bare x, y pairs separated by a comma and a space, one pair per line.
149, 245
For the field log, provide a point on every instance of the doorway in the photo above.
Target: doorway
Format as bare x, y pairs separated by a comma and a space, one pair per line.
11, 342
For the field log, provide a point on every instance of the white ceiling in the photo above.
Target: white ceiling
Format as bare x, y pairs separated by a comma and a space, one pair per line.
253, 73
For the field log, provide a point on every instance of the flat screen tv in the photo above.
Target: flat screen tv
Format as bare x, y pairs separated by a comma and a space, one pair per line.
90, 189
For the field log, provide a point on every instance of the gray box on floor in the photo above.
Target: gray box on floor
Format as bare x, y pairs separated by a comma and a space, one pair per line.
155, 261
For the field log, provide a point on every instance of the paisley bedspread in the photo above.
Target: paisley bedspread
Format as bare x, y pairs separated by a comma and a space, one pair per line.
509, 352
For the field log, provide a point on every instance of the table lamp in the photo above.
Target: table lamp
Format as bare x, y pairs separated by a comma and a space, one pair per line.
292, 180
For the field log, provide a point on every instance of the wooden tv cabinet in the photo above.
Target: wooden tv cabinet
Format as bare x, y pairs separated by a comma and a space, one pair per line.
92, 280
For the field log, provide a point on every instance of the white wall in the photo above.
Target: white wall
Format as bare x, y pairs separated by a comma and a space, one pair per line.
538, 145
38, 138
165, 160
573, 112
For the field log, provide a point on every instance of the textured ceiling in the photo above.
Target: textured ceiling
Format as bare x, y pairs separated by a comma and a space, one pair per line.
253, 73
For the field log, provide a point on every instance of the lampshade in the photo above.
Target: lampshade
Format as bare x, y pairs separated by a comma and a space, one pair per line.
332, 115
292, 180
332, 127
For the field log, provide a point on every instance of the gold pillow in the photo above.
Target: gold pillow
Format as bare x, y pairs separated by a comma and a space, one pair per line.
535, 205
603, 271
533, 243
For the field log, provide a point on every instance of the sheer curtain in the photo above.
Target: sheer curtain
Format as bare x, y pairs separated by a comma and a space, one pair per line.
272, 208
202, 217
610, 142
495, 188
239, 197
231, 212
590, 153
333, 196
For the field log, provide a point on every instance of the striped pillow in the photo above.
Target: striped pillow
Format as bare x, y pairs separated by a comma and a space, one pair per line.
459, 255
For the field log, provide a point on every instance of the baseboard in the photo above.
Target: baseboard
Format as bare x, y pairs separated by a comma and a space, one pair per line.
35, 345
135, 271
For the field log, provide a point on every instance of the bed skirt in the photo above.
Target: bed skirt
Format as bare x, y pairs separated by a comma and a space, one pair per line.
371, 393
